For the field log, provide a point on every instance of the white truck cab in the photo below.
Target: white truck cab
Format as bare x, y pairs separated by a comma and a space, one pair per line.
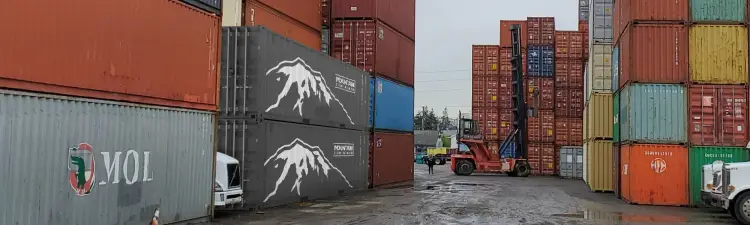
727, 186
227, 186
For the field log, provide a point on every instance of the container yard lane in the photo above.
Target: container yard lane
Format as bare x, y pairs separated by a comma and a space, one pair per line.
444, 198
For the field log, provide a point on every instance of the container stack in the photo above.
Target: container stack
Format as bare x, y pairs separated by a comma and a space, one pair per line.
569, 61
485, 92
263, 127
380, 41
109, 111
505, 88
597, 115
297, 20
540, 83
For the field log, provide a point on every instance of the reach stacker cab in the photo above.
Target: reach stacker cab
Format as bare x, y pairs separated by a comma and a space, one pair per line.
479, 158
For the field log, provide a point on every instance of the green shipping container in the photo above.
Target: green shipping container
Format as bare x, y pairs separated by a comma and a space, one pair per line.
616, 116
702, 155
717, 10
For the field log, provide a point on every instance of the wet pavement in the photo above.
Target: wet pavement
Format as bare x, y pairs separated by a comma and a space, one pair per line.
444, 198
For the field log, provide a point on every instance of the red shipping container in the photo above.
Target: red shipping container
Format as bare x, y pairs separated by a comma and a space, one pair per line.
392, 158
478, 95
307, 12
506, 67
654, 174
485, 60
505, 39
569, 44
545, 89
562, 102
576, 103
492, 92
541, 30
506, 123
642, 10
118, 51
542, 128
718, 115
569, 73
652, 53
282, 24
477, 114
505, 92
399, 14
491, 124
542, 158
374, 47
568, 131
576, 131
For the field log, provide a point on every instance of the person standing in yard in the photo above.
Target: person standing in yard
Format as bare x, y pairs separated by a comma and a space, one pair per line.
430, 163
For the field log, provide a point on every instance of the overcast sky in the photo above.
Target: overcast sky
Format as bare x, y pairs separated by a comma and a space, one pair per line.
446, 29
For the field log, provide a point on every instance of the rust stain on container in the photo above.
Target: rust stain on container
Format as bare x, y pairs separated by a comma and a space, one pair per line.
392, 158
544, 88
639, 10
654, 54
541, 30
569, 44
386, 52
505, 40
399, 14
542, 127
307, 12
654, 174
151, 60
718, 115
542, 158
260, 15
569, 73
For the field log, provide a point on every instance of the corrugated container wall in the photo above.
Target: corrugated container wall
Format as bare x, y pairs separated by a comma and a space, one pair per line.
653, 113
654, 174
266, 149
256, 79
392, 158
718, 115
652, 53
490, 123
569, 44
583, 10
718, 54
598, 113
394, 106
307, 12
135, 143
600, 21
571, 162
599, 79
616, 117
640, 10
544, 89
542, 158
542, 127
569, 73
541, 30
392, 54
540, 60
478, 92
568, 131
231, 13
485, 60
703, 155
616, 170
506, 68
721, 11
616, 68
399, 14
257, 14
133, 60
505, 25
599, 165
506, 123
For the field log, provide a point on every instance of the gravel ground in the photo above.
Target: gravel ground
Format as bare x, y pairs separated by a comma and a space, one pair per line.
444, 198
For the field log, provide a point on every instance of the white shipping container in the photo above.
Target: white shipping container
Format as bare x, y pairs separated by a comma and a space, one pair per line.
599, 70
231, 13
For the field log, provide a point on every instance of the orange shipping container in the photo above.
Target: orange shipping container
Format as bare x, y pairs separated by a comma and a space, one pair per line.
541, 30
478, 91
506, 68
654, 54
506, 123
391, 158
569, 73
119, 50
653, 174
259, 14
505, 25
491, 91
568, 131
542, 158
569, 44
505, 92
307, 12
639, 10
542, 128
541, 89
491, 124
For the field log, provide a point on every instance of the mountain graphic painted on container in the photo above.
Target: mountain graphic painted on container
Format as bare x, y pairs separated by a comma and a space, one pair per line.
309, 82
305, 158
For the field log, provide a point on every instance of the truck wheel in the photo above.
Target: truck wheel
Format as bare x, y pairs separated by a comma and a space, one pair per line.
464, 168
442, 162
742, 208
522, 169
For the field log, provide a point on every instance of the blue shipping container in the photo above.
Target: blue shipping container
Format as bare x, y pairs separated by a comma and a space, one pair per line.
394, 106
509, 151
615, 68
541, 61
372, 101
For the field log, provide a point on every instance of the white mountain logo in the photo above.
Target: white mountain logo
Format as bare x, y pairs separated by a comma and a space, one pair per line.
310, 83
303, 157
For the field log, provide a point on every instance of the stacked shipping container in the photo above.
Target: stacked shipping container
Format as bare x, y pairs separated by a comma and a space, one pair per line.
145, 98
379, 39
597, 116
540, 83
568, 100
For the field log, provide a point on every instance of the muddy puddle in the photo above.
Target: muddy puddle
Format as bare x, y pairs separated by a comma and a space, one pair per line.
451, 187
593, 214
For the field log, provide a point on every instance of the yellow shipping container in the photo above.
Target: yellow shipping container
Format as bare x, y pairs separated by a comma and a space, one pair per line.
435, 151
718, 54
599, 70
598, 117
599, 174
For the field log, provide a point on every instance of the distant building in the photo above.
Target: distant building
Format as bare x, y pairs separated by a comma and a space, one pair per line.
424, 139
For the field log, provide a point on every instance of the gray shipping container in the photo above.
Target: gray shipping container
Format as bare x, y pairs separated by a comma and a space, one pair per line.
583, 10
81, 161
571, 162
600, 22
286, 162
271, 76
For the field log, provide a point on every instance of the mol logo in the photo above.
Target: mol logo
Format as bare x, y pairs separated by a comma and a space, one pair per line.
82, 168
659, 165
